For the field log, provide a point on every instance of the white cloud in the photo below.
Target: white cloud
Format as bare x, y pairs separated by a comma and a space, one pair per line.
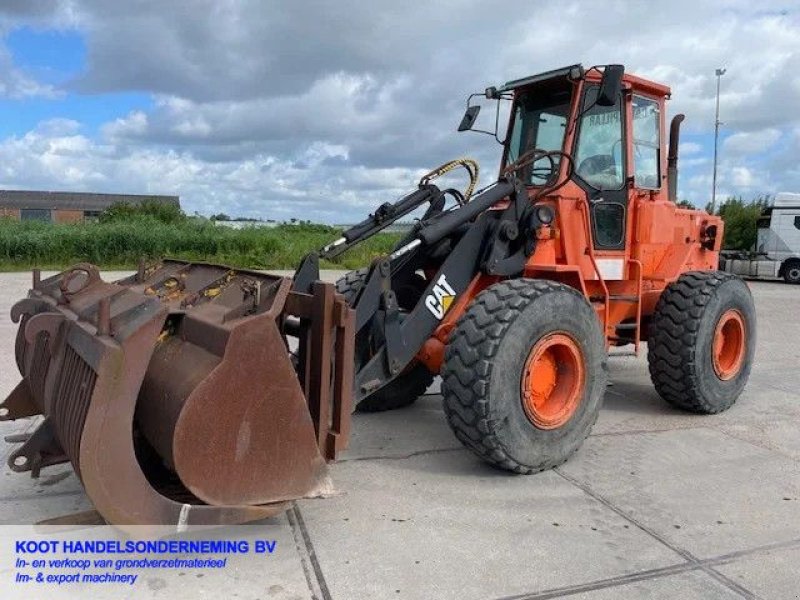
16, 84
269, 106
743, 177
58, 127
56, 155
687, 148
132, 125
751, 142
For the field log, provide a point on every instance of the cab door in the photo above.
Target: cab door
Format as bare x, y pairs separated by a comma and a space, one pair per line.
646, 143
600, 159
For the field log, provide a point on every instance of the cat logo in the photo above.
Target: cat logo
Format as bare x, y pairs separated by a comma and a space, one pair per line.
440, 298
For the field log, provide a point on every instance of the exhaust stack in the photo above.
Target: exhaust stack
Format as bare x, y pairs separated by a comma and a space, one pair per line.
672, 157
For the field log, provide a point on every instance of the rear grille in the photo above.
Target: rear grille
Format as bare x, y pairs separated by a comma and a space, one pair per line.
71, 402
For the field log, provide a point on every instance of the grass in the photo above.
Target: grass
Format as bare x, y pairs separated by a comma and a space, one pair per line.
120, 243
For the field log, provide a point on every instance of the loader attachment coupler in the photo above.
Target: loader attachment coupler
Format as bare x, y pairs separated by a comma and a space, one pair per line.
180, 395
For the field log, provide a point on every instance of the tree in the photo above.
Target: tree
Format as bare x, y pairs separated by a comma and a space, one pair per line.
741, 217
684, 204
220, 217
125, 211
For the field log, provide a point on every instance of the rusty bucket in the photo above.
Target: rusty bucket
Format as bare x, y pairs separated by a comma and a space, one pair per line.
189, 393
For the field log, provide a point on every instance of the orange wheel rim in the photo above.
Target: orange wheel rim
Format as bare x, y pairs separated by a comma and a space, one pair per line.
729, 344
553, 381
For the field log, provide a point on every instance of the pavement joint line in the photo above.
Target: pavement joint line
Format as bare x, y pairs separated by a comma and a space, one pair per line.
656, 573
778, 388
601, 584
729, 583
756, 444
402, 456
615, 392
717, 428
724, 559
644, 431
41, 496
302, 554
785, 390
683, 553
298, 525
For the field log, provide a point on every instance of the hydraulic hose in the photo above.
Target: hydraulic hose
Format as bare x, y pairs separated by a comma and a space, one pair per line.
449, 221
469, 164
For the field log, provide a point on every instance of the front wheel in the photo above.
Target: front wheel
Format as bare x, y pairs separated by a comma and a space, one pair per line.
524, 374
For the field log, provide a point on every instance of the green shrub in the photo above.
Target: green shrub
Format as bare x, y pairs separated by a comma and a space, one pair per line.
120, 242
741, 221
125, 211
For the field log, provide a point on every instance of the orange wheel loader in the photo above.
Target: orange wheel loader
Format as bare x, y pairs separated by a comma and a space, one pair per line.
194, 393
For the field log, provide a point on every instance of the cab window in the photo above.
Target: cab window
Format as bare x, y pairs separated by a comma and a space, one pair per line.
646, 143
598, 156
540, 121
609, 224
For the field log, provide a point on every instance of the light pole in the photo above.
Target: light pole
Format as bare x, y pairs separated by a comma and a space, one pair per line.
720, 73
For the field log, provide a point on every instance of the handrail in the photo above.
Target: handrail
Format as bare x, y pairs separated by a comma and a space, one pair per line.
590, 248
637, 336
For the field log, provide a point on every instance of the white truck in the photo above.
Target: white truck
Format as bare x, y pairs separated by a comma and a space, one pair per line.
777, 250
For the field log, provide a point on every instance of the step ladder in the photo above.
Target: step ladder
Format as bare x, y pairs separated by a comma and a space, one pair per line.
636, 326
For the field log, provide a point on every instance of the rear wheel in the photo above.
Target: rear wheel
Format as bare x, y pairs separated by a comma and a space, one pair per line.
791, 271
702, 340
524, 374
406, 387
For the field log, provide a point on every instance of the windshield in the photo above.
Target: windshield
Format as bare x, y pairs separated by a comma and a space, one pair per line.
540, 121
598, 156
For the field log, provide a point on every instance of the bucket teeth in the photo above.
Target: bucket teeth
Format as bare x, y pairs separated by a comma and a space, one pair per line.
173, 392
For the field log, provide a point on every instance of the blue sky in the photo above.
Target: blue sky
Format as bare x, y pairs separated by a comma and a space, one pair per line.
48, 55
57, 58
250, 108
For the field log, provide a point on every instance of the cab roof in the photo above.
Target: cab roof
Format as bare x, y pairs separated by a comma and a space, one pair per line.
591, 74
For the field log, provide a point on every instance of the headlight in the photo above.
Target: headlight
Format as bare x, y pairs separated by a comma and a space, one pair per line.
544, 214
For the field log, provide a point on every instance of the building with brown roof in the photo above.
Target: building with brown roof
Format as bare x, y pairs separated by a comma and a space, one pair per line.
66, 207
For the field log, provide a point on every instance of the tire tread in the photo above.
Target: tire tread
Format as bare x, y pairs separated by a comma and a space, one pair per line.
468, 365
673, 340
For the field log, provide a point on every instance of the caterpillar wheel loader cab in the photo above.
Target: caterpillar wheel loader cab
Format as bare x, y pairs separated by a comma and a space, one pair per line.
195, 393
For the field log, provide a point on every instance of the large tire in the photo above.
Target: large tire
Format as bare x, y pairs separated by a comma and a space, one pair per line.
488, 367
791, 271
405, 388
701, 341
349, 285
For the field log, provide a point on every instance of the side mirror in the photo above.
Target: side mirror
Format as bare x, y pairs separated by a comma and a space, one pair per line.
610, 85
469, 118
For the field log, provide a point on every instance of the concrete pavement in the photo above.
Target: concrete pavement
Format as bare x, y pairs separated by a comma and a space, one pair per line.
657, 503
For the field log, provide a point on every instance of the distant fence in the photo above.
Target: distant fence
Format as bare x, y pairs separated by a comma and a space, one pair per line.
393, 228
246, 224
